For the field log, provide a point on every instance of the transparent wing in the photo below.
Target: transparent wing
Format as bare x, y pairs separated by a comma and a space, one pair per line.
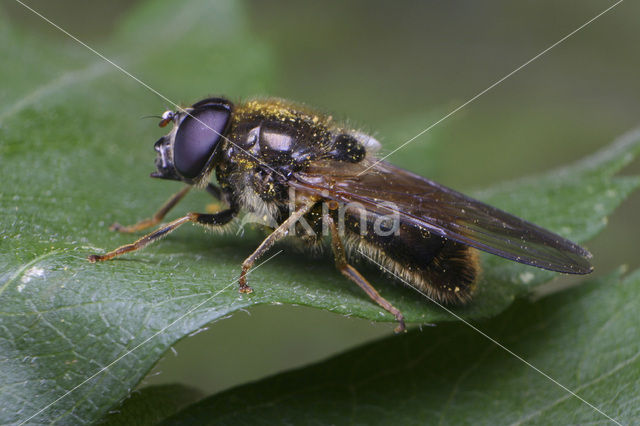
443, 211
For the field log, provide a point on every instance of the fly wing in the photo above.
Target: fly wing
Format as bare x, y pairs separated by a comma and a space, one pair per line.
386, 189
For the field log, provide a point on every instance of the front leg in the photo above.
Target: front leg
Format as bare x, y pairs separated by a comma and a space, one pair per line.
216, 219
214, 191
156, 218
162, 212
280, 232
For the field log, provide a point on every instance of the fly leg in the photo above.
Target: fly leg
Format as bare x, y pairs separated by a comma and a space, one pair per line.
156, 218
162, 212
351, 273
214, 191
216, 219
280, 232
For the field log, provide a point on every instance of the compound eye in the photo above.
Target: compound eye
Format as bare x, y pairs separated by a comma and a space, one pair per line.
197, 138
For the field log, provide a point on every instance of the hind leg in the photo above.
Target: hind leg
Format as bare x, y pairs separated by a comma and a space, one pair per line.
350, 272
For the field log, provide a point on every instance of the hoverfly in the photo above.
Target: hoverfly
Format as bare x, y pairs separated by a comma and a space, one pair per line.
304, 174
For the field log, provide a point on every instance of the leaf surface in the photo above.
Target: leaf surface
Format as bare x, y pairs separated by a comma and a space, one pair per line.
451, 374
76, 338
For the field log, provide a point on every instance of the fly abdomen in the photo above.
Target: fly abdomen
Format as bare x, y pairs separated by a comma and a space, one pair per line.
443, 269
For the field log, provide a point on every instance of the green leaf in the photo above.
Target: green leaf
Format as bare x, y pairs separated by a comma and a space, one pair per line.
77, 337
152, 404
587, 339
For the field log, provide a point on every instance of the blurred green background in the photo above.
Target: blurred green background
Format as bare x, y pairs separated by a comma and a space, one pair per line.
394, 69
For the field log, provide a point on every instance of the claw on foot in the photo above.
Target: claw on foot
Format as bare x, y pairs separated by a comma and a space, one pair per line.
400, 328
245, 289
94, 258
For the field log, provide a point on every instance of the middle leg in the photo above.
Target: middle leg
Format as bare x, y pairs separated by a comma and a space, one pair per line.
281, 231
